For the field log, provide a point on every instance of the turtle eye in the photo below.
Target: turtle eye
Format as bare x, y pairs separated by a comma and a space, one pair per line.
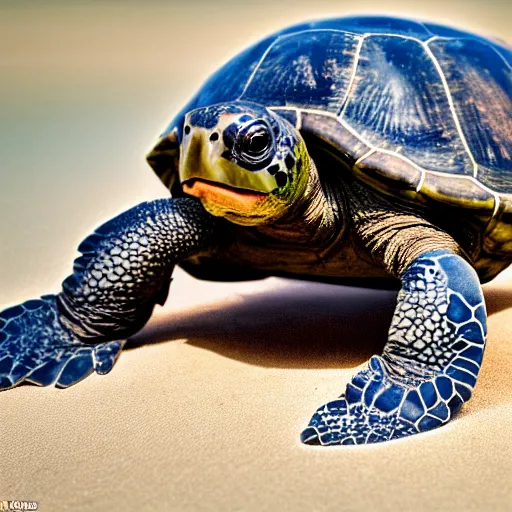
257, 143
255, 140
251, 144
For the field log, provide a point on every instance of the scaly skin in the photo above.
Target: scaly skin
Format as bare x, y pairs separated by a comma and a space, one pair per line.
125, 269
429, 365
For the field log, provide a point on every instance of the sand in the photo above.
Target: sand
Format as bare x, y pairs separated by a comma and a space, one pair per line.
209, 418
204, 410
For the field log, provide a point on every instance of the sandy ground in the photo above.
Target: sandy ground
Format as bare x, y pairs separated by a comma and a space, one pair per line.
209, 419
204, 410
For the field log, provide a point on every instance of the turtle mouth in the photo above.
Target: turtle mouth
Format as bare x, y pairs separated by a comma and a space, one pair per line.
222, 195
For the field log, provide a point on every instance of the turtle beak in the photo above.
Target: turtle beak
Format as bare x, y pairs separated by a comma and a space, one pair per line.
196, 157
202, 178
219, 183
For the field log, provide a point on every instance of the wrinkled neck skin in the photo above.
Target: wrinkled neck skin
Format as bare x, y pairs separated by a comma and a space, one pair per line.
315, 218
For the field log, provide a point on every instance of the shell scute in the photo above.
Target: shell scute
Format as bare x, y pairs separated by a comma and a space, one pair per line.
446, 189
308, 69
398, 176
347, 142
481, 87
398, 102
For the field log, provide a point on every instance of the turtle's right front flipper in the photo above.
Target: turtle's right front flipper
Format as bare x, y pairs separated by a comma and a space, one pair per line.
35, 347
124, 270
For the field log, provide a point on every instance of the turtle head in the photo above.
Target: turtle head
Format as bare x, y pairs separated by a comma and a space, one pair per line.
243, 161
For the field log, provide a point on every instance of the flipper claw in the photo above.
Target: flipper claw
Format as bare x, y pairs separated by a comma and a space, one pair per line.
310, 436
105, 356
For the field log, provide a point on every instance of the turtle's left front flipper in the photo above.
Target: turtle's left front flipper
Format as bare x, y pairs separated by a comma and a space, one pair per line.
124, 270
429, 365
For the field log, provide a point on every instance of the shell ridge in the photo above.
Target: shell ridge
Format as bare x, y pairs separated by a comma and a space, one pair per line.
352, 75
291, 34
426, 29
255, 70
366, 155
319, 112
375, 149
428, 41
502, 57
375, 110
386, 34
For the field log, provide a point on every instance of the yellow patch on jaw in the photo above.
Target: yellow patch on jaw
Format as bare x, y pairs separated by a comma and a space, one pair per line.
223, 197
202, 158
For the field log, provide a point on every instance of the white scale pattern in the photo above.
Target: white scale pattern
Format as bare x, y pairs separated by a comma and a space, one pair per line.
430, 395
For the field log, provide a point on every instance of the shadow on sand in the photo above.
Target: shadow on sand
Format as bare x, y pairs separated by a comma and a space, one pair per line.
306, 325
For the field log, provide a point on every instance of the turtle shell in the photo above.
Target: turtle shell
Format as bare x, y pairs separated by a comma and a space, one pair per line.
417, 110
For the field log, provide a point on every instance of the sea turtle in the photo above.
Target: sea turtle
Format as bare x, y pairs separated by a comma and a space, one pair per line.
344, 148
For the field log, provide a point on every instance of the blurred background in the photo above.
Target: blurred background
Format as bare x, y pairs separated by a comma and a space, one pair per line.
86, 86
208, 420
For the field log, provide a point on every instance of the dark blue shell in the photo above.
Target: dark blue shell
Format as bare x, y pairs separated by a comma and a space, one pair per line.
421, 107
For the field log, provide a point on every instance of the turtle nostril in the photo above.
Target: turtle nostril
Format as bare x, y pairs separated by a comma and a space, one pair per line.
187, 130
214, 136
